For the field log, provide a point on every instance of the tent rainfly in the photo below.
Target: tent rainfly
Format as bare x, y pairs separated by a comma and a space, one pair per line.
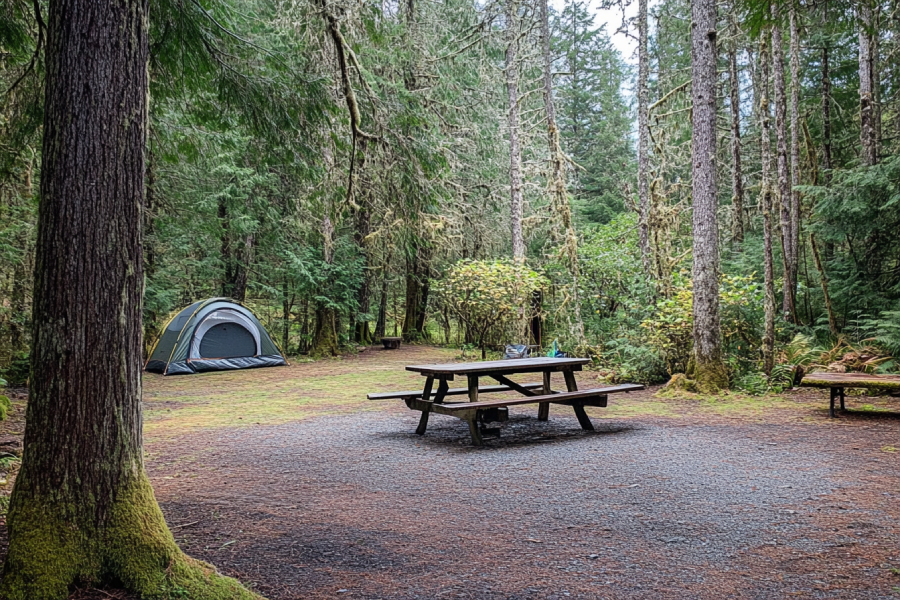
213, 335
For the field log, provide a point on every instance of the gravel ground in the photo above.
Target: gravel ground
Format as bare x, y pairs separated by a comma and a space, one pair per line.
666, 499
358, 506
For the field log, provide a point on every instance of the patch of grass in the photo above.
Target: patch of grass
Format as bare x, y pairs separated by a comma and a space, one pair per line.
272, 396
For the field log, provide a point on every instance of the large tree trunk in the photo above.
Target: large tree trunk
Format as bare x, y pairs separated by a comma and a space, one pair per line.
325, 339
795, 155
516, 206
867, 130
417, 287
707, 366
826, 116
361, 332
768, 349
151, 318
784, 189
737, 176
557, 184
643, 136
82, 510
381, 321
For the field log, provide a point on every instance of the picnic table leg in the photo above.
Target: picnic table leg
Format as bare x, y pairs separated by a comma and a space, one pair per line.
842, 398
572, 386
583, 419
473, 429
473, 388
831, 404
423, 420
544, 407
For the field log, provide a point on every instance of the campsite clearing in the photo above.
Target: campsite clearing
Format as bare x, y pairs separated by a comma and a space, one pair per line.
289, 479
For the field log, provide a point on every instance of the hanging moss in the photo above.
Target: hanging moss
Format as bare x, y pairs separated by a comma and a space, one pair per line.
134, 550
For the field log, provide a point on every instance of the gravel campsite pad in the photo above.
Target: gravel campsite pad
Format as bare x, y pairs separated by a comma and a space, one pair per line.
325, 495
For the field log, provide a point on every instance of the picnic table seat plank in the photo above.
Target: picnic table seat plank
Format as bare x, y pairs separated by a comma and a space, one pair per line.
472, 412
554, 398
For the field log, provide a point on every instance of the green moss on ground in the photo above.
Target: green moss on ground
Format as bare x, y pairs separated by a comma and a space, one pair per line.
5, 407
135, 550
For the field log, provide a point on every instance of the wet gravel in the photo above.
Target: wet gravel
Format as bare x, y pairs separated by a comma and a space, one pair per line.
357, 506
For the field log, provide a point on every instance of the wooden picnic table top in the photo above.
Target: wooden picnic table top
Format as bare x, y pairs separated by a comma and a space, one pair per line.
515, 365
860, 380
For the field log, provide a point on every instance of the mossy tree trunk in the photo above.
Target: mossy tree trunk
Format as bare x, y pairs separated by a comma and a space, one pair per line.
82, 510
707, 365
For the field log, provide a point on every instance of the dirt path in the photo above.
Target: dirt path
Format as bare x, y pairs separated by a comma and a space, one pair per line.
333, 497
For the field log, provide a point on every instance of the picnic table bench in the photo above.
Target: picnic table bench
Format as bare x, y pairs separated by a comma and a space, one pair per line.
477, 412
391, 343
836, 382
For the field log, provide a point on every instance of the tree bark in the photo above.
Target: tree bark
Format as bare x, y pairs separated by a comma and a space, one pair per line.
795, 155
826, 116
557, 180
517, 206
362, 334
707, 365
784, 188
82, 510
867, 135
737, 176
381, 321
643, 136
417, 286
325, 340
823, 280
768, 349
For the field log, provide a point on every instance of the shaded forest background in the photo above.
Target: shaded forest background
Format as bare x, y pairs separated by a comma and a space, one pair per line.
328, 163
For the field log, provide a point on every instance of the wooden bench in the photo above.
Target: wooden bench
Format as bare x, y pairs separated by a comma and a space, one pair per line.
836, 382
391, 343
481, 412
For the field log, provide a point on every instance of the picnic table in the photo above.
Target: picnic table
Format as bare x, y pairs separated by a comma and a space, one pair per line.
477, 412
836, 382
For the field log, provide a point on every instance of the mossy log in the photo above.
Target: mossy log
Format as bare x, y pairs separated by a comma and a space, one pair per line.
852, 380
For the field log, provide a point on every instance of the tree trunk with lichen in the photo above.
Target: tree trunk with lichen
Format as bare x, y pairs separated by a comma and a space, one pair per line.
737, 176
325, 339
795, 155
707, 366
511, 68
82, 509
643, 93
557, 183
867, 127
768, 345
784, 185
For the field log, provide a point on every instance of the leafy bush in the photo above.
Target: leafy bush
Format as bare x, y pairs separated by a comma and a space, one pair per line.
487, 295
670, 329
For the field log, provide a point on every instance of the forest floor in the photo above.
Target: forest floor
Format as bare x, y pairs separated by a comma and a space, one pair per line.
288, 479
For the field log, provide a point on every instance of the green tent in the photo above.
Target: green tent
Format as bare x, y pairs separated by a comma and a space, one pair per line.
213, 335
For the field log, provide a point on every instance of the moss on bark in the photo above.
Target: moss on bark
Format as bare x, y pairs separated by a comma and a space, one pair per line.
50, 552
709, 376
325, 342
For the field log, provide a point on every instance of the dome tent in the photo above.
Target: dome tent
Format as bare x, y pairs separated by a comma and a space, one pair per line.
213, 335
